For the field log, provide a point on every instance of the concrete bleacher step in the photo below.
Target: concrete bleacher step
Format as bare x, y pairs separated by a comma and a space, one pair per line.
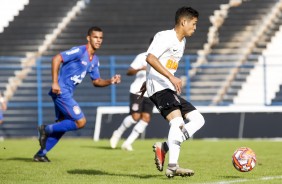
210, 78
202, 91
207, 84
213, 71
200, 98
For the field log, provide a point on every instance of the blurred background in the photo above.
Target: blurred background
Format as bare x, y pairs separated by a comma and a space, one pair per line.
231, 71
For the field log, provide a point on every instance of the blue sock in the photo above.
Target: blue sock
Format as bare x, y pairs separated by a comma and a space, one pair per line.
52, 140
63, 126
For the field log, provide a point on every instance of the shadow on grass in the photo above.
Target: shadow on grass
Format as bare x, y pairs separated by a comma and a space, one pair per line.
20, 159
98, 172
98, 147
230, 177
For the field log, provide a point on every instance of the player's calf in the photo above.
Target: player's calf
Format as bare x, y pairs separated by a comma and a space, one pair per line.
42, 136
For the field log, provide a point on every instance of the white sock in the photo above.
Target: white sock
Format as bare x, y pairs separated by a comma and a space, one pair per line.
138, 129
127, 122
175, 138
196, 121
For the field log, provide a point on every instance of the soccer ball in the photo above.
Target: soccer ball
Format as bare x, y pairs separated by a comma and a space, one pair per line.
244, 159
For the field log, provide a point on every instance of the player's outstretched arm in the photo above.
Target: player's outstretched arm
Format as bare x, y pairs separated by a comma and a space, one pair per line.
116, 79
56, 62
3, 103
132, 71
142, 90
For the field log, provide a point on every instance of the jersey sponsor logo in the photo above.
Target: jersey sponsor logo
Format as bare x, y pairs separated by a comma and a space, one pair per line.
84, 63
77, 79
171, 64
72, 51
76, 110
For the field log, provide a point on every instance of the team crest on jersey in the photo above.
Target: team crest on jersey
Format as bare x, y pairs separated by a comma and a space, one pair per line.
76, 110
84, 63
91, 68
135, 107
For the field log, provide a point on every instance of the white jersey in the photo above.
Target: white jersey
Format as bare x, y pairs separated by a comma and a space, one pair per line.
138, 63
169, 50
1, 102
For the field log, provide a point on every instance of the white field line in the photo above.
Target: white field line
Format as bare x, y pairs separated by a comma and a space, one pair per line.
266, 178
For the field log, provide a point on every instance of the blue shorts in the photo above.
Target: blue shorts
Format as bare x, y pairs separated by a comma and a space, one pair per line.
66, 108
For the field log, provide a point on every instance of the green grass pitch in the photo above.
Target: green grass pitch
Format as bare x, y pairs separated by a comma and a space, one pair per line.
76, 161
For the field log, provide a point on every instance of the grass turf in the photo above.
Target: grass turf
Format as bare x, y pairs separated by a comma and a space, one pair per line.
85, 161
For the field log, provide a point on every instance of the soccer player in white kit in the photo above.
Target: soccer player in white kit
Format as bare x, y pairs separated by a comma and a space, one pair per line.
140, 108
3, 107
164, 90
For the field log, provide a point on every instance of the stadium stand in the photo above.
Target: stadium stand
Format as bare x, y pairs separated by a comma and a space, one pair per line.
139, 20
8, 10
28, 30
238, 38
127, 28
265, 44
123, 35
275, 50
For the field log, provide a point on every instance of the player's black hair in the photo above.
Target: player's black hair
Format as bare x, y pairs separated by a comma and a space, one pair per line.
151, 40
94, 28
187, 12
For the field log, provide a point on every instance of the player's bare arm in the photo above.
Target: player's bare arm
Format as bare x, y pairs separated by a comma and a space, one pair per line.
56, 62
142, 90
4, 106
3, 103
155, 63
132, 71
106, 82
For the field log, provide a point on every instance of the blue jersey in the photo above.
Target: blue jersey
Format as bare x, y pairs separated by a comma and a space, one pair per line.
76, 64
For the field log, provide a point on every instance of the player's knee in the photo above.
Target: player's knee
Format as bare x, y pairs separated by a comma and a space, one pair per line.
146, 117
135, 116
201, 119
196, 116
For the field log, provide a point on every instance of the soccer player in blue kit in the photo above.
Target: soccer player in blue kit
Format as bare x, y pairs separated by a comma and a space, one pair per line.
76, 63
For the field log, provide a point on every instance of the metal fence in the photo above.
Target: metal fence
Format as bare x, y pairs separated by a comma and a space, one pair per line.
118, 63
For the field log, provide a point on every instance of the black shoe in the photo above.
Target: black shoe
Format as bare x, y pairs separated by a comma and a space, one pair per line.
38, 158
42, 136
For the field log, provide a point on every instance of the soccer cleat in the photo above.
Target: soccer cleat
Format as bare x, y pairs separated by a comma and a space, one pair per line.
126, 147
158, 148
38, 158
178, 171
114, 139
42, 136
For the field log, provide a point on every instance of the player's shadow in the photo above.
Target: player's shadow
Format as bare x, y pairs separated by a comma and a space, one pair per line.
20, 159
98, 172
230, 177
98, 147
